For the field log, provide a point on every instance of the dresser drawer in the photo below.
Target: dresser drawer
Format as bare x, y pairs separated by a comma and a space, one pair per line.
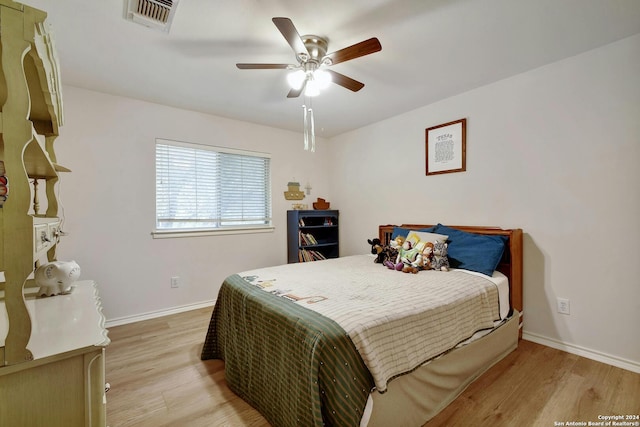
45, 235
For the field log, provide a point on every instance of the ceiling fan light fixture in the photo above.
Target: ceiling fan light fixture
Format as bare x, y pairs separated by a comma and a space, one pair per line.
323, 79
312, 88
296, 79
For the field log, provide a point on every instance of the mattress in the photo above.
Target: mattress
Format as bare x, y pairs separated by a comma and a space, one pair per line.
397, 321
413, 399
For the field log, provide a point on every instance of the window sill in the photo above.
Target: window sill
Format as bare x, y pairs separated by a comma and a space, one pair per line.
172, 234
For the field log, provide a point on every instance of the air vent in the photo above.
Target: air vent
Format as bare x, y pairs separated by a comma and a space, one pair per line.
157, 14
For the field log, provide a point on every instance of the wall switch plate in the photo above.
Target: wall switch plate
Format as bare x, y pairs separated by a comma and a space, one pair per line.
175, 282
563, 306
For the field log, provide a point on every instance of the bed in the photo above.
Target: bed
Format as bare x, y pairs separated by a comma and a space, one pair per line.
348, 342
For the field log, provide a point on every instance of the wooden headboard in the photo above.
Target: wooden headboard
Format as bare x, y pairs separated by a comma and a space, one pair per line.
510, 265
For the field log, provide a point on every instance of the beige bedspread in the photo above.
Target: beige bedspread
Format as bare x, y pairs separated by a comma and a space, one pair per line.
396, 320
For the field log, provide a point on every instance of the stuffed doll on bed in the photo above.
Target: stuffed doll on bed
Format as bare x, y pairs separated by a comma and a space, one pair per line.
383, 253
409, 259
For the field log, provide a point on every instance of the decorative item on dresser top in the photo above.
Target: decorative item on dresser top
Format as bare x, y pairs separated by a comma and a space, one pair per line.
348, 342
51, 349
56, 277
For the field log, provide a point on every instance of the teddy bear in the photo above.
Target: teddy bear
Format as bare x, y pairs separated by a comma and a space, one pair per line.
440, 260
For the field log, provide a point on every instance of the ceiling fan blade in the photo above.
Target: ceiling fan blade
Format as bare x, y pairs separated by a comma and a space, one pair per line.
262, 66
294, 93
344, 81
290, 33
355, 51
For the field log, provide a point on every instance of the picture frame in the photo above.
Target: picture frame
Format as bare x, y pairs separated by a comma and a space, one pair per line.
446, 148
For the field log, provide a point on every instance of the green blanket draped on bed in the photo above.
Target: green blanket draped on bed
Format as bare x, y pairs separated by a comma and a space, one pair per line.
297, 367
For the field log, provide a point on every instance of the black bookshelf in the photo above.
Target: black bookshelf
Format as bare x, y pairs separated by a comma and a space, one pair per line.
312, 235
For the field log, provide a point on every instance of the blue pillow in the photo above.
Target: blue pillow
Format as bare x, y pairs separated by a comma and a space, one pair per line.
404, 232
474, 252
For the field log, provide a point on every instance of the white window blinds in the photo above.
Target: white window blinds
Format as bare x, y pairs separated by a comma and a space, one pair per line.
202, 187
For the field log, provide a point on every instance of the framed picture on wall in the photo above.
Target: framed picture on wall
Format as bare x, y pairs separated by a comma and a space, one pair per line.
446, 147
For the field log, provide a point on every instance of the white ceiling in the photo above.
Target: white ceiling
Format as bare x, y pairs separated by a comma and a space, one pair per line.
431, 50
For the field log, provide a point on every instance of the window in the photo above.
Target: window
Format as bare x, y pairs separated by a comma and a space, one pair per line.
200, 188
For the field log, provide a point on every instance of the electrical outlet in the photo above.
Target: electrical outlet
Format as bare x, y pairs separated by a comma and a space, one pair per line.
563, 306
175, 282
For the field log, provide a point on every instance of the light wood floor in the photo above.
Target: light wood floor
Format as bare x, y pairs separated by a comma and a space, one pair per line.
157, 379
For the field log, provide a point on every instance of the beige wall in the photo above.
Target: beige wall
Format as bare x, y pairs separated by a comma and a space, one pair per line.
109, 200
554, 151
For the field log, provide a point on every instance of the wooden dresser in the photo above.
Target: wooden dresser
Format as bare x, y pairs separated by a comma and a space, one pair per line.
52, 348
64, 384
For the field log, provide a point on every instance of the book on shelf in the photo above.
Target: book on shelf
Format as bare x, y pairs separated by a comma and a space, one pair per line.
318, 255
305, 239
305, 255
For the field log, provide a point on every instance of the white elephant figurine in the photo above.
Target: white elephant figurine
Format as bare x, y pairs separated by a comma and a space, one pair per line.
56, 277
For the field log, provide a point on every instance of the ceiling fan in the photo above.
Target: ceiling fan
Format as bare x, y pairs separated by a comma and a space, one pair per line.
311, 53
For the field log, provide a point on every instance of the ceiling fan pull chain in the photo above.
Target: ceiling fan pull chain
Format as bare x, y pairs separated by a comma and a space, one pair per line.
305, 126
313, 131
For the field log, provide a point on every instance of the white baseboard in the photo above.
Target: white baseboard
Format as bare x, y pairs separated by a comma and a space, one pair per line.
160, 313
619, 362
